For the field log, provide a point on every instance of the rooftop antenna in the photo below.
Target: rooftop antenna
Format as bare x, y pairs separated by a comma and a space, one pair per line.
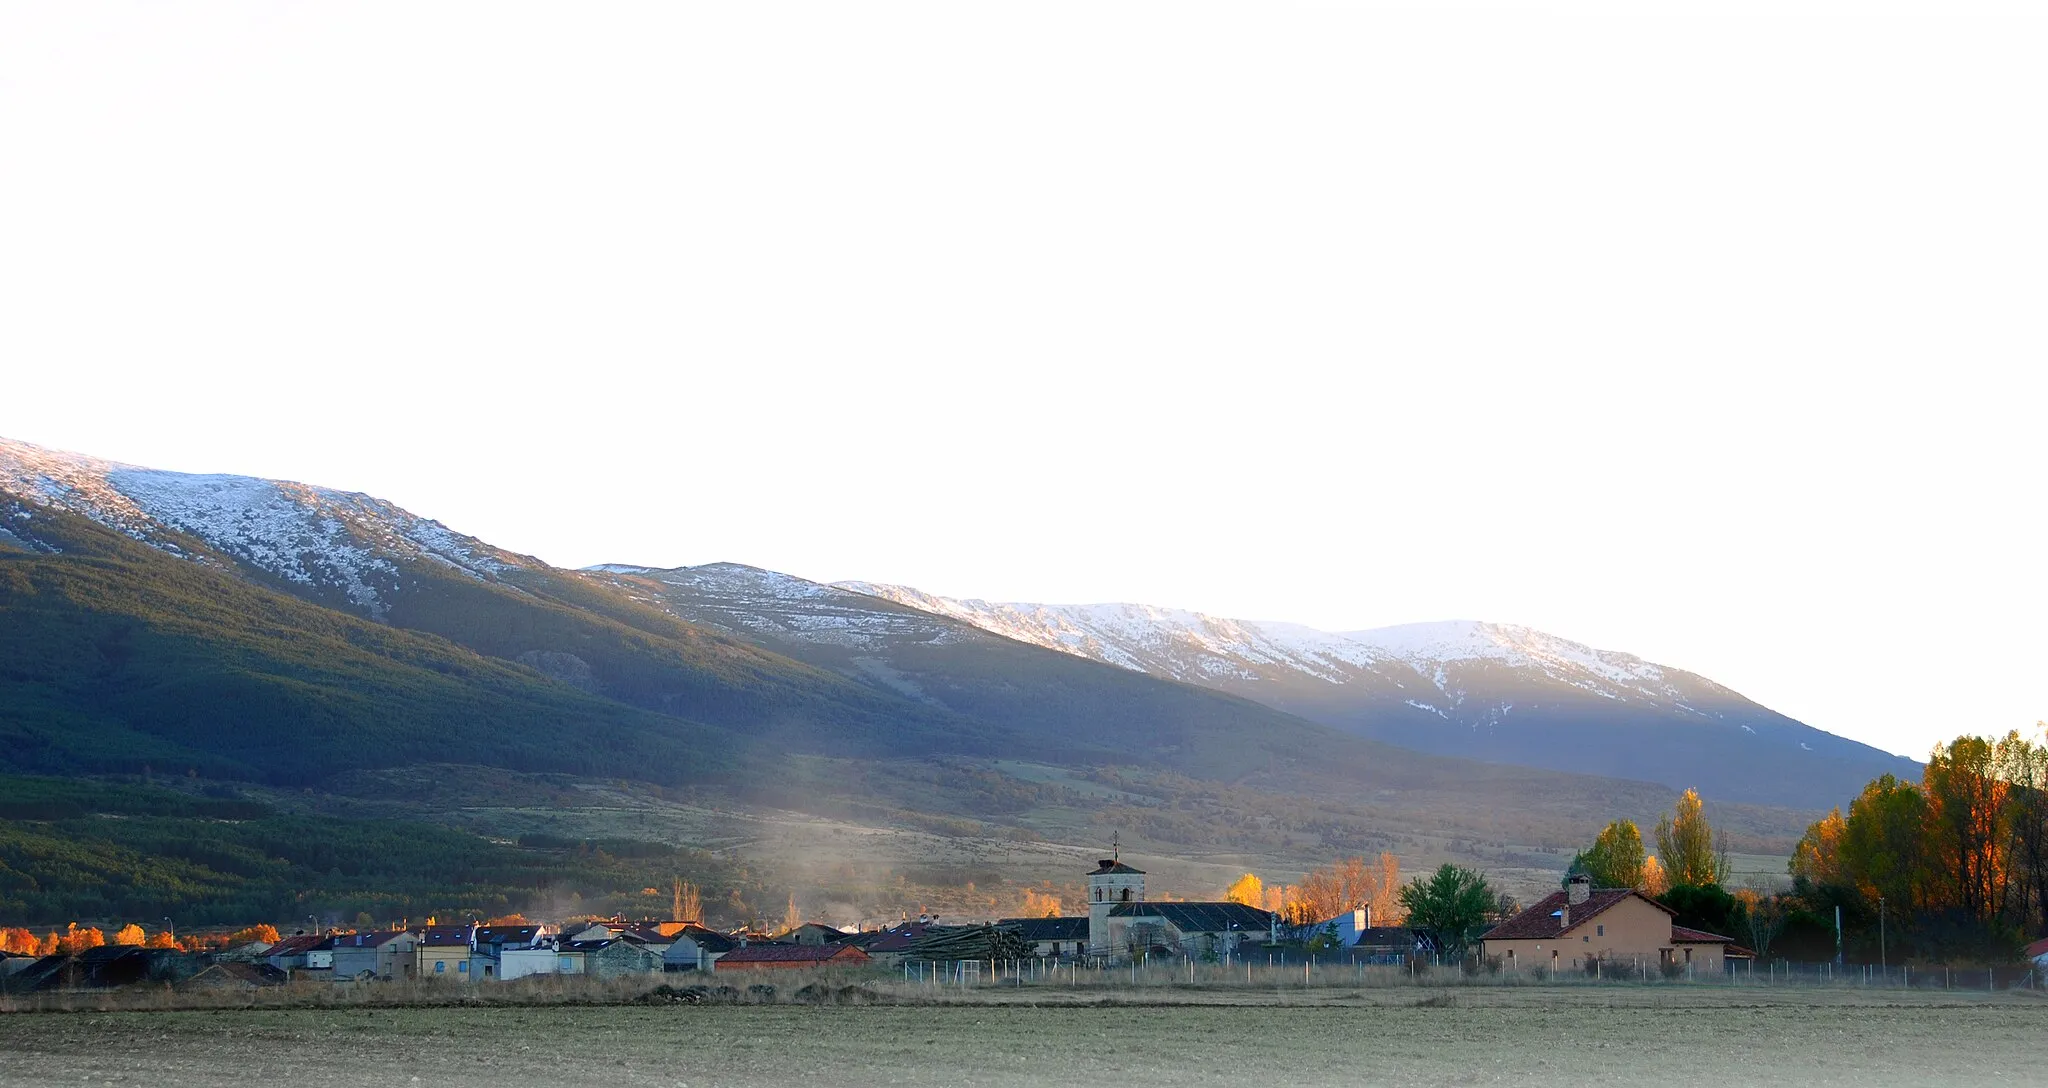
1116, 853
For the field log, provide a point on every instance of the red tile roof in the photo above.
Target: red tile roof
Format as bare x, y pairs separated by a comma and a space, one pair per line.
1541, 921
793, 953
2038, 949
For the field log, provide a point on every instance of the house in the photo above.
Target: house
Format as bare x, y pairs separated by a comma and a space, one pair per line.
542, 959
293, 953
815, 933
445, 952
890, 947
500, 938
783, 957
1390, 945
608, 958
384, 954
1122, 924
696, 948
2037, 954
1201, 930
1051, 937
647, 936
1621, 928
105, 967
1367, 943
590, 931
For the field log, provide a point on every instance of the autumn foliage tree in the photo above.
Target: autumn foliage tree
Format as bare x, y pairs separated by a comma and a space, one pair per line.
1247, 889
1616, 859
76, 940
1687, 846
1959, 859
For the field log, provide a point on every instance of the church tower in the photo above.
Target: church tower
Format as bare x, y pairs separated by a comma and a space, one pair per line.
1111, 883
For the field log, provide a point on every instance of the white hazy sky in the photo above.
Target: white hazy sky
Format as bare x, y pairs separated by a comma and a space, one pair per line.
1716, 338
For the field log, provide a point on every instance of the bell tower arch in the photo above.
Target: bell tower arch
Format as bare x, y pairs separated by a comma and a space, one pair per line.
1110, 884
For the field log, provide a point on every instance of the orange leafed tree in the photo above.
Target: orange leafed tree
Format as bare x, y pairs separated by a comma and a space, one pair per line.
129, 934
77, 940
1038, 904
161, 939
20, 942
261, 932
1655, 880
1247, 889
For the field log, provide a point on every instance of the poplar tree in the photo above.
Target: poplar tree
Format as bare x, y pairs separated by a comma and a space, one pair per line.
1687, 847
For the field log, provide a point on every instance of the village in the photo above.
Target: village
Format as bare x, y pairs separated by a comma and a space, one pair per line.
1580, 928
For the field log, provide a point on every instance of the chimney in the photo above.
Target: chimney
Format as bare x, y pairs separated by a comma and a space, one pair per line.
1578, 889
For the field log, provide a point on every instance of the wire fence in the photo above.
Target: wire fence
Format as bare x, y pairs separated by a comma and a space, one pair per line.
1307, 972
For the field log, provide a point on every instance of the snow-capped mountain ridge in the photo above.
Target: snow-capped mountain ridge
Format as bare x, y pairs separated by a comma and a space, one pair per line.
312, 536
1193, 646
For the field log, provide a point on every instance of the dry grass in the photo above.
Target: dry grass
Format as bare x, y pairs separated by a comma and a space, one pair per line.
1521, 1035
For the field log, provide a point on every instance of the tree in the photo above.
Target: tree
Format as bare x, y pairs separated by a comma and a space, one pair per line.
1702, 906
1818, 857
1763, 918
162, 938
129, 934
259, 932
77, 940
791, 918
1247, 889
1451, 906
1685, 842
1655, 880
1041, 904
1616, 858
1966, 810
1881, 847
2024, 765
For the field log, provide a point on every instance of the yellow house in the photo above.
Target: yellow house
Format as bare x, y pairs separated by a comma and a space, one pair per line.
443, 952
1621, 928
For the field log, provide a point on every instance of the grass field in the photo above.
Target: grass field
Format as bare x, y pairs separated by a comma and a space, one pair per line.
1480, 1035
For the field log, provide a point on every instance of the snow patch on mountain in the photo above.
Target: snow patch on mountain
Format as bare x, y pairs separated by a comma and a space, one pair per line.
1199, 648
310, 536
749, 600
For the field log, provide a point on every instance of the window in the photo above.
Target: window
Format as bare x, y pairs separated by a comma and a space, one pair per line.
1098, 895
1584, 939
462, 968
440, 967
1127, 895
1600, 930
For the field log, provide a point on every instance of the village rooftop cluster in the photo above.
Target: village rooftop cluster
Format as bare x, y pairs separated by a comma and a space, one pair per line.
1570, 929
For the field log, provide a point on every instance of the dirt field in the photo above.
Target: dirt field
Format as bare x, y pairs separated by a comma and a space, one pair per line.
1523, 1036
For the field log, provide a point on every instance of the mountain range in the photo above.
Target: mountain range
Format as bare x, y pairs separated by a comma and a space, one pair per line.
290, 635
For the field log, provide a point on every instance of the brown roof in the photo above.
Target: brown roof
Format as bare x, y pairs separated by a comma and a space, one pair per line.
1112, 865
1541, 921
792, 953
296, 944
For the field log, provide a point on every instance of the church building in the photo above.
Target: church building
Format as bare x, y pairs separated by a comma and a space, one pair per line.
1123, 925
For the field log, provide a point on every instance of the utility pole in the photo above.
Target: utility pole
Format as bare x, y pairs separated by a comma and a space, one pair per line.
1838, 935
1880, 934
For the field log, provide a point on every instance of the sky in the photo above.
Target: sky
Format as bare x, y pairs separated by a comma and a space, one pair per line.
1711, 334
